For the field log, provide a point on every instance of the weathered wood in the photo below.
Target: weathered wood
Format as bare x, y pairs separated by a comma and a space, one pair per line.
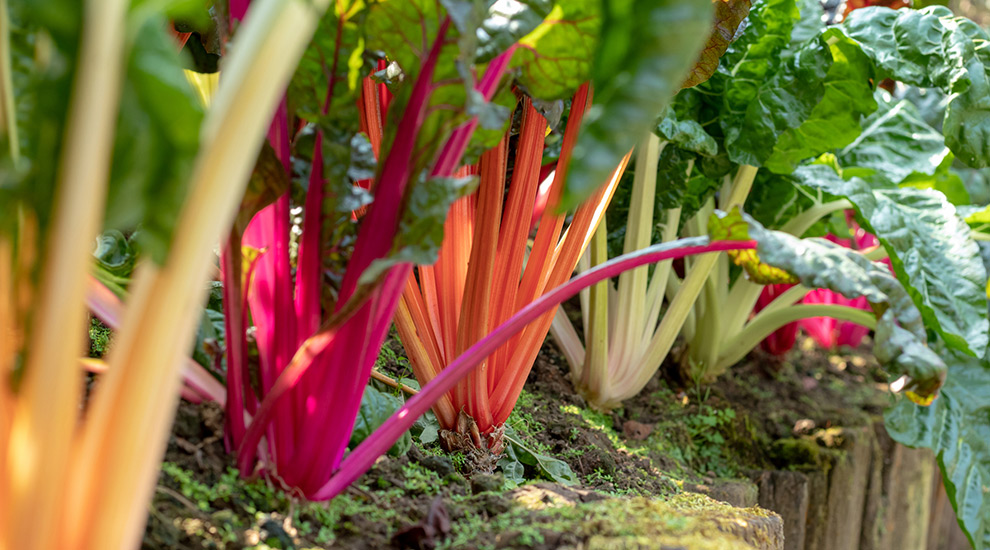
944, 532
786, 493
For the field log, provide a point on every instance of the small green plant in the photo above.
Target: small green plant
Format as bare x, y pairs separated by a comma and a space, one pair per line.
707, 452
99, 338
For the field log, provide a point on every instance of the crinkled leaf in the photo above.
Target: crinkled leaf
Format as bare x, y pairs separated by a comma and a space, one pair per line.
944, 180
776, 198
810, 25
729, 14
686, 189
895, 143
645, 51
933, 48
835, 120
555, 58
687, 134
900, 341
376, 407
509, 21
957, 428
932, 252
749, 80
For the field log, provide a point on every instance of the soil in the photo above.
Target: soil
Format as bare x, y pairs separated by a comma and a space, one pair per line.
661, 443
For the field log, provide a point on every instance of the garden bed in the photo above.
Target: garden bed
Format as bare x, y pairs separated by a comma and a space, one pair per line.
765, 434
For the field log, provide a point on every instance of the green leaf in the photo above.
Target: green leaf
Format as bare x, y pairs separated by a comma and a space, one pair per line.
933, 48
776, 198
115, 254
421, 227
809, 26
835, 120
509, 21
747, 80
555, 58
551, 468
687, 134
644, 53
930, 247
895, 143
376, 407
157, 139
957, 427
944, 180
900, 341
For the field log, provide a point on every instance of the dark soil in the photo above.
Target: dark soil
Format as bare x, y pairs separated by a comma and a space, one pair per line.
665, 439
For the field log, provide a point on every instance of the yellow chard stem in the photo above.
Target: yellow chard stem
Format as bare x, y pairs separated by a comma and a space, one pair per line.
39, 446
117, 454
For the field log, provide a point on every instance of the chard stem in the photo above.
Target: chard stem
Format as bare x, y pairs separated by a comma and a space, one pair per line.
766, 322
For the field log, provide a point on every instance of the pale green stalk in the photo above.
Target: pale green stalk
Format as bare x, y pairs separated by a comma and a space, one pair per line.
630, 324
682, 304
661, 274
765, 323
596, 372
8, 115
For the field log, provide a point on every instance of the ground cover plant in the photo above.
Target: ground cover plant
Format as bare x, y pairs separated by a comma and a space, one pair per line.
408, 174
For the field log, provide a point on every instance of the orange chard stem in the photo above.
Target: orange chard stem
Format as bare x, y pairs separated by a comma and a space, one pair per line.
514, 232
476, 303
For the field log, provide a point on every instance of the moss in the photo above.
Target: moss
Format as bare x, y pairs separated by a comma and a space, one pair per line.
99, 337
686, 521
798, 453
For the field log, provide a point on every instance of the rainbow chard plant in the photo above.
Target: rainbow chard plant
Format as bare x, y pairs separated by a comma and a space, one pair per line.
317, 349
479, 279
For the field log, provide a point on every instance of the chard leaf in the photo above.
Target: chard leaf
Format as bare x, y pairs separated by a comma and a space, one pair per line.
334, 53
644, 53
900, 342
957, 428
810, 25
835, 120
747, 78
376, 407
508, 21
555, 58
776, 198
895, 143
421, 227
729, 14
931, 249
156, 142
933, 48
687, 134
944, 180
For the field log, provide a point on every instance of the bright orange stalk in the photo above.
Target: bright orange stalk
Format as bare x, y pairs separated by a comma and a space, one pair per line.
479, 281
